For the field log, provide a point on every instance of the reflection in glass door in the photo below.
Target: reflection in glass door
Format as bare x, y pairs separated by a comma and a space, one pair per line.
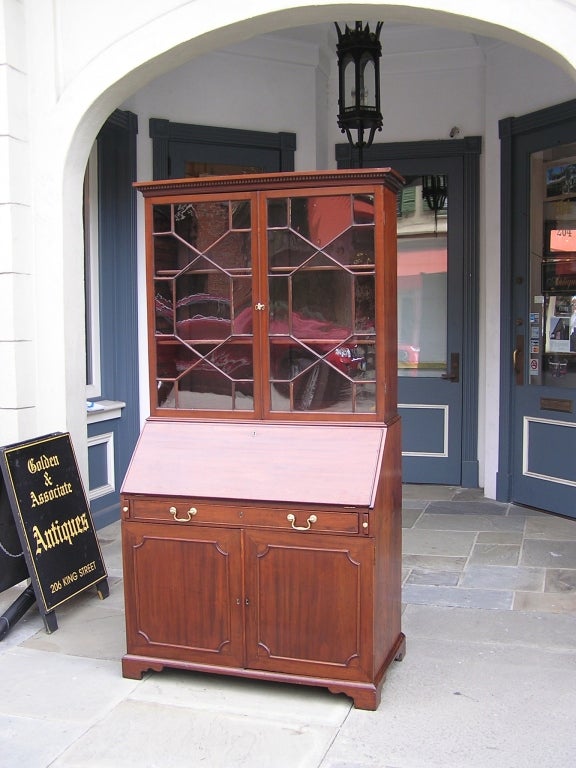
422, 277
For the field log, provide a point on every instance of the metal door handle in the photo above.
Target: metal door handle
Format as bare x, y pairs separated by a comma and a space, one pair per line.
454, 374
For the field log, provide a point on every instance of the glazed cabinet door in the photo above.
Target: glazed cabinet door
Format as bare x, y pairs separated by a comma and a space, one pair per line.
183, 593
309, 604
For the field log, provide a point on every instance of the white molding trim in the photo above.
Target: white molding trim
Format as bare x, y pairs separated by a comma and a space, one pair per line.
106, 439
526, 446
103, 410
424, 454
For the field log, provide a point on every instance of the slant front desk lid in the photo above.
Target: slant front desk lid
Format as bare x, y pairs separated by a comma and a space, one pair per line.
294, 463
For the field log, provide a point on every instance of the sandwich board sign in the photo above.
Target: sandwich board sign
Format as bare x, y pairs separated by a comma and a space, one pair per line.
53, 521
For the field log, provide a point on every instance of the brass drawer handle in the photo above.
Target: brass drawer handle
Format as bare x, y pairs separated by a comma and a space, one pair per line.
189, 514
292, 518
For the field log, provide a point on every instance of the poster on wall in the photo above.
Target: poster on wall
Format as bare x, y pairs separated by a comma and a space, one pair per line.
561, 324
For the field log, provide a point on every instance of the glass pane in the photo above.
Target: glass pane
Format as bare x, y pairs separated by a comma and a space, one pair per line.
422, 305
317, 302
303, 381
170, 254
328, 216
162, 218
363, 209
164, 307
214, 377
551, 347
203, 306
277, 213
231, 252
287, 249
201, 315
364, 304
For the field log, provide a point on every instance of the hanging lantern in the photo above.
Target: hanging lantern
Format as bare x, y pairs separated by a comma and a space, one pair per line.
359, 51
435, 193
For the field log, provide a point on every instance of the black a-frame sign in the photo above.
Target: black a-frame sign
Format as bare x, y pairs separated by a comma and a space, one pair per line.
54, 526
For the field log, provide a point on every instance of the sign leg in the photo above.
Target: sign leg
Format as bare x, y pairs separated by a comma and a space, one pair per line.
50, 622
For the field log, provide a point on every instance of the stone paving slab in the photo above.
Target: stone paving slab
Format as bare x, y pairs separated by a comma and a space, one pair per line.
500, 537
433, 577
504, 577
551, 602
460, 704
495, 554
549, 554
550, 527
434, 562
139, 733
443, 543
494, 599
539, 631
35, 742
476, 507
478, 522
290, 704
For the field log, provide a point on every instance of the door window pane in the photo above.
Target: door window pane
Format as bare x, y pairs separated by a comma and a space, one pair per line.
551, 340
422, 277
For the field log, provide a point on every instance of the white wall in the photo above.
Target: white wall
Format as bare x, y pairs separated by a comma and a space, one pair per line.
65, 65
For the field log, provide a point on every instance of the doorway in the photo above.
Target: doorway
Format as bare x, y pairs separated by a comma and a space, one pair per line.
438, 305
538, 362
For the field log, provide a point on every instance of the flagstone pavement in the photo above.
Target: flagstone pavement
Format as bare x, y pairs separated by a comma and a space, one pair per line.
489, 677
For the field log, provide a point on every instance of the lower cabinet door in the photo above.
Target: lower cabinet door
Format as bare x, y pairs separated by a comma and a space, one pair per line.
309, 604
184, 593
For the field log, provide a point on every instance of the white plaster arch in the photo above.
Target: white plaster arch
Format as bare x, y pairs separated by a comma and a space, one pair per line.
154, 41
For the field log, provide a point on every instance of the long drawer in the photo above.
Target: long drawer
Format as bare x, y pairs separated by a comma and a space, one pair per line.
178, 511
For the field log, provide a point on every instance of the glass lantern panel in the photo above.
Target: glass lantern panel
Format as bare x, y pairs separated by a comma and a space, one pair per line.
367, 82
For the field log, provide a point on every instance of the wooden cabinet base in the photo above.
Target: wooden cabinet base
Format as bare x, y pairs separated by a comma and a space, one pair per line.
365, 695
295, 576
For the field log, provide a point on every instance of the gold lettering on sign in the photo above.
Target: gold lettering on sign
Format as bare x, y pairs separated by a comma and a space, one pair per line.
60, 533
44, 462
57, 492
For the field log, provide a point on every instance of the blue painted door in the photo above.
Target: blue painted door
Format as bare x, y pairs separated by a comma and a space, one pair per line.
437, 306
539, 359
114, 419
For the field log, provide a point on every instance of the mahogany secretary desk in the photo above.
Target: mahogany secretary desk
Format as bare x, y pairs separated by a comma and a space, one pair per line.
261, 512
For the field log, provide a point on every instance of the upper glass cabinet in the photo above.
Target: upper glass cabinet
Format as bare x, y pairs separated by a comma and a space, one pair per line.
273, 296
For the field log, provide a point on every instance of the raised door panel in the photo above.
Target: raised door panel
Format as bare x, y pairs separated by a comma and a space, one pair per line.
183, 593
309, 604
